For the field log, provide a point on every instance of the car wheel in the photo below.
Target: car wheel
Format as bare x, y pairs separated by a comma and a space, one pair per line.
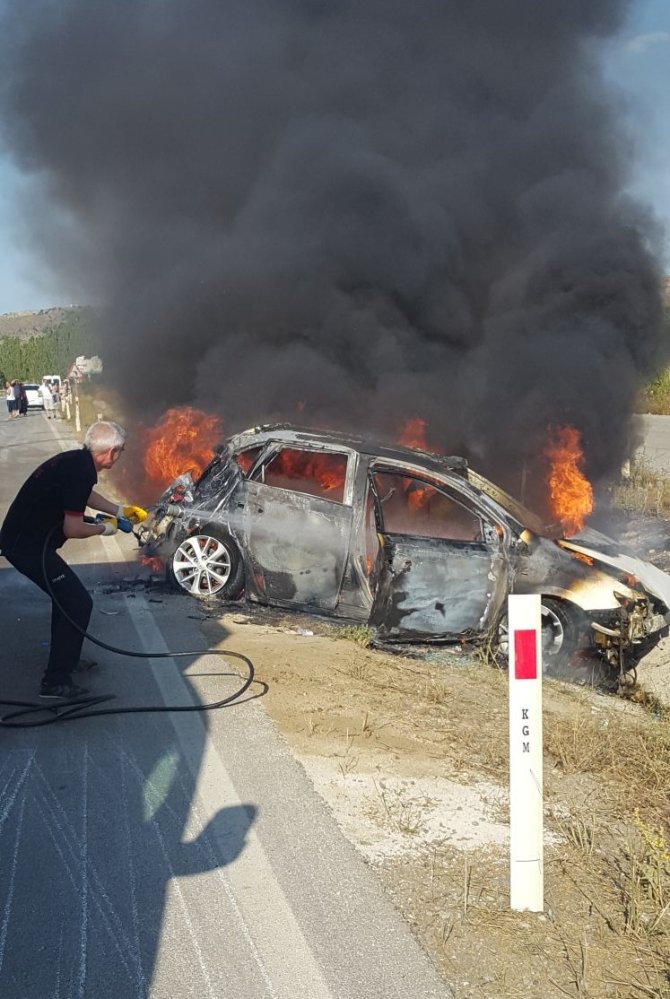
207, 564
560, 633
560, 630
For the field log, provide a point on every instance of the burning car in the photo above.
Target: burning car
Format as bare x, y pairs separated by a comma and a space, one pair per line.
416, 545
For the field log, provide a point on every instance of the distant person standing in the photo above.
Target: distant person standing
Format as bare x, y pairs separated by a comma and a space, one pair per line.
56, 393
16, 398
48, 400
9, 395
23, 400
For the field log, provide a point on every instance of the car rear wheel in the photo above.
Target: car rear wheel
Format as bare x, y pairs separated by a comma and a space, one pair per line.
207, 564
560, 633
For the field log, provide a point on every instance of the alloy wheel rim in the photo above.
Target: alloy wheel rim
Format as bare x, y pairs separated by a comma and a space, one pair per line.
553, 633
202, 565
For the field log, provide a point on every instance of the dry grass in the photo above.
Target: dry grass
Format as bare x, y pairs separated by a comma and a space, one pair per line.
614, 835
634, 756
644, 491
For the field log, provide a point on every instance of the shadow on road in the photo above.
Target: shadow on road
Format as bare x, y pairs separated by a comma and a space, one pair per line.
103, 836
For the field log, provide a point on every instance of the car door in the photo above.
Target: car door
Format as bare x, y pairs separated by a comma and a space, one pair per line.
298, 527
442, 561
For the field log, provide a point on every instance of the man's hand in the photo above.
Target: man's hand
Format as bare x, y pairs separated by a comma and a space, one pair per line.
135, 514
110, 525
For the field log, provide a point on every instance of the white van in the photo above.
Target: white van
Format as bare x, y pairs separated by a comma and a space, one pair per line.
53, 381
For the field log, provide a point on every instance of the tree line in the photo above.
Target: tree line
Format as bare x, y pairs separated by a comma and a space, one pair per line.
49, 353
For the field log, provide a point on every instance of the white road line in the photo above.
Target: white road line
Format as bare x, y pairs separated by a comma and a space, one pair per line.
12, 882
83, 932
12, 798
184, 908
214, 863
140, 982
230, 895
70, 839
59, 966
282, 954
97, 900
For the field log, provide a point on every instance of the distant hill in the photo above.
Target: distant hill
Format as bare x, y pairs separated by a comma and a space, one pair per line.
26, 324
32, 343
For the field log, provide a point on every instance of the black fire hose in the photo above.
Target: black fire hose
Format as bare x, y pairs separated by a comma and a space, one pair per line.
87, 707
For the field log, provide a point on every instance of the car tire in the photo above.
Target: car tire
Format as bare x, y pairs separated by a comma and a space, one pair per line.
561, 635
560, 631
207, 564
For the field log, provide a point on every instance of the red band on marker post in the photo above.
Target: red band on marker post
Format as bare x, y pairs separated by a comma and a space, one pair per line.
525, 655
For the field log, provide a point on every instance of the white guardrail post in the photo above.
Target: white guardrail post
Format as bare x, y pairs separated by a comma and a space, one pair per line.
525, 753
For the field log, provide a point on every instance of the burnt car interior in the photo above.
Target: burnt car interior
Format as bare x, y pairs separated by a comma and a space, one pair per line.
410, 505
311, 472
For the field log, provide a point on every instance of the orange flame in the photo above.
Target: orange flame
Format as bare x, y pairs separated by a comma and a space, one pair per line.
183, 440
327, 469
151, 561
570, 491
413, 433
245, 460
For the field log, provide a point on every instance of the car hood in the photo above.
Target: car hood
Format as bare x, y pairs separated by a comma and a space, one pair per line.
608, 552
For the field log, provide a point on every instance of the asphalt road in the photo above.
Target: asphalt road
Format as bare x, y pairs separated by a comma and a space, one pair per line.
168, 855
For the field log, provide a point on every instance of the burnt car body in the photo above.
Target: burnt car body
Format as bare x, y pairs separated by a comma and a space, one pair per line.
416, 545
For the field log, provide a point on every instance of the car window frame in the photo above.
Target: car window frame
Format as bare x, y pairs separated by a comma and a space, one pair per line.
450, 489
278, 445
261, 448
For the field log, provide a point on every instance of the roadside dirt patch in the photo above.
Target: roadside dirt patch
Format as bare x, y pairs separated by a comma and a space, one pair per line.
411, 756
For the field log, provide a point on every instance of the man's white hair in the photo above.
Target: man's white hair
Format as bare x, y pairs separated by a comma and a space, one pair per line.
104, 435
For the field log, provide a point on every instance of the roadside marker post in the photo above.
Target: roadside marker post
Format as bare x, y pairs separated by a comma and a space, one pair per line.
525, 753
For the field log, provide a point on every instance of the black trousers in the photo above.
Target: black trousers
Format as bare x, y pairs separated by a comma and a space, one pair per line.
73, 597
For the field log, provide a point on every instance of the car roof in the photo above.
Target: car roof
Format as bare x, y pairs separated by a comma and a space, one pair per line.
290, 434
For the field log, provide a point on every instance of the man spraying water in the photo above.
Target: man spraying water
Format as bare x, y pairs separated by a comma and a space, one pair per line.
49, 510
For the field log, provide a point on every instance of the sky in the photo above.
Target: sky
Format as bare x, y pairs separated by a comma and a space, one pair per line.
637, 63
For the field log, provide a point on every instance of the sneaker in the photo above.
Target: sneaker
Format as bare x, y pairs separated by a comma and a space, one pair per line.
85, 666
61, 691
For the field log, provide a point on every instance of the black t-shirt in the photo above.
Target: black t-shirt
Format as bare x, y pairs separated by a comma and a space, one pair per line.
61, 485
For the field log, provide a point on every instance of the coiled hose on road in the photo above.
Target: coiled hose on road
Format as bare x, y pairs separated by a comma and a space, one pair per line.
88, 707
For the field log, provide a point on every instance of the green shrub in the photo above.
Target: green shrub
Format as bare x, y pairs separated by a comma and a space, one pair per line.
655, 397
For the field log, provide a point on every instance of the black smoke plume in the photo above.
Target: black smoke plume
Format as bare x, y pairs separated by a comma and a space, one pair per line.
347, 213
